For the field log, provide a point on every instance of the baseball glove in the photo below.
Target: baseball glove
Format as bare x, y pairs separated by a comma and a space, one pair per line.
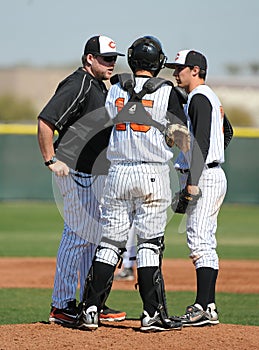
183, 199
179, 135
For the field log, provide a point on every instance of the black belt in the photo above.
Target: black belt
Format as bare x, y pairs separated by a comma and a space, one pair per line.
210, 165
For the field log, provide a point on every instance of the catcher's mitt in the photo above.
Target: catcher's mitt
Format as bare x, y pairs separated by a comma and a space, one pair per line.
182, 200
179, 135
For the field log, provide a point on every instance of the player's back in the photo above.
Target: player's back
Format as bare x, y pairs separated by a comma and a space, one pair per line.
132, 141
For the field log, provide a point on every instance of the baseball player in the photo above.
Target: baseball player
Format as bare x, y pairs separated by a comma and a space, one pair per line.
137, 187
203, 181
81, 96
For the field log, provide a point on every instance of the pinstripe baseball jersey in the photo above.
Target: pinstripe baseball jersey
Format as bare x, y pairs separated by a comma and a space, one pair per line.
136, 142
213, 149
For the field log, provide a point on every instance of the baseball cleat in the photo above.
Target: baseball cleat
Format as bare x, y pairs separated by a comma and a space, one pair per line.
213, 314
195, 316
111, 315
89, 319
67, 317
157, 323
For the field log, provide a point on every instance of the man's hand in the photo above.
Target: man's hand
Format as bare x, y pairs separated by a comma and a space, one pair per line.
59, 168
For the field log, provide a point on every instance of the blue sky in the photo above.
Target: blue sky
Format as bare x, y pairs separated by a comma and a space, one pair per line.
45, 32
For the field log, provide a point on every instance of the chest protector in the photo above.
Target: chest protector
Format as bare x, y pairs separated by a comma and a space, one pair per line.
134, 110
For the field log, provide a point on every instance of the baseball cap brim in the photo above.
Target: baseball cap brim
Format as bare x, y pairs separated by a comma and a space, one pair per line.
110, 54
172, 65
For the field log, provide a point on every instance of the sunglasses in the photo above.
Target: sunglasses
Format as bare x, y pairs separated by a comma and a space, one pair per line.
109, 58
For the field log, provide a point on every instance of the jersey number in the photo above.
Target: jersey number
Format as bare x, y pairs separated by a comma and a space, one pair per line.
119, 103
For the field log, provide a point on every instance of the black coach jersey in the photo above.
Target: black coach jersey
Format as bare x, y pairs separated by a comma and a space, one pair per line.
78, 114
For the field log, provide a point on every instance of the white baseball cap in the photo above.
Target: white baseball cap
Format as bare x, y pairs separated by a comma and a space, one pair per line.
188, 58
102, 46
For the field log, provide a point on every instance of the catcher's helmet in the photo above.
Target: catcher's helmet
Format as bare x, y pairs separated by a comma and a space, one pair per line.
146, 53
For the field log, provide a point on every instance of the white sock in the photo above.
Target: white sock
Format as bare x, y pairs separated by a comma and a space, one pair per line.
199, 306
212, 306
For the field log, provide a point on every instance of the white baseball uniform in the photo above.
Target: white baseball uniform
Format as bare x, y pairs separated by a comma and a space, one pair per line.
138, 179
202, 219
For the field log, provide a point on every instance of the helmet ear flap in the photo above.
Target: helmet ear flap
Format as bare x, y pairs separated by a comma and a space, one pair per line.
130, 50
163, 59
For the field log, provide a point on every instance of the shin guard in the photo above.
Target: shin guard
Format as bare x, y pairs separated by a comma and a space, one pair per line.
152, 292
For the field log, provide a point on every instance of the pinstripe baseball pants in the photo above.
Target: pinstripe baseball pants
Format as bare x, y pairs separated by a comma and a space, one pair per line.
140, 188
201, 223
81, 195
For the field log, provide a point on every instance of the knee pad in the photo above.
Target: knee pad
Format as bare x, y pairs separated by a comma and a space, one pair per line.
100, 277
150, 252
108, 254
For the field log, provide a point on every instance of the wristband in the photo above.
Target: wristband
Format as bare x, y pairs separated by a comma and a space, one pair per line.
51, 161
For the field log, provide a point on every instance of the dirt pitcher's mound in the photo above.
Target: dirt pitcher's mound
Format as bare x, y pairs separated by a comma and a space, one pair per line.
126, 336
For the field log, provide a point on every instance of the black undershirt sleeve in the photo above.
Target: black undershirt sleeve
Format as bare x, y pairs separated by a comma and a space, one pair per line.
175, 112
200, 113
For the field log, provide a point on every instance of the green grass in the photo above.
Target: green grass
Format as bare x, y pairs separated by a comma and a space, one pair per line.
34, 229
29, 229
32, 305
237, 233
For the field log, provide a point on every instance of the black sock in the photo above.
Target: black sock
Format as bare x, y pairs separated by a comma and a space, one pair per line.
213, 287
204, 277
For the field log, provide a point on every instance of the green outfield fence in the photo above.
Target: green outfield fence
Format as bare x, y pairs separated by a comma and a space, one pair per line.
23, 175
